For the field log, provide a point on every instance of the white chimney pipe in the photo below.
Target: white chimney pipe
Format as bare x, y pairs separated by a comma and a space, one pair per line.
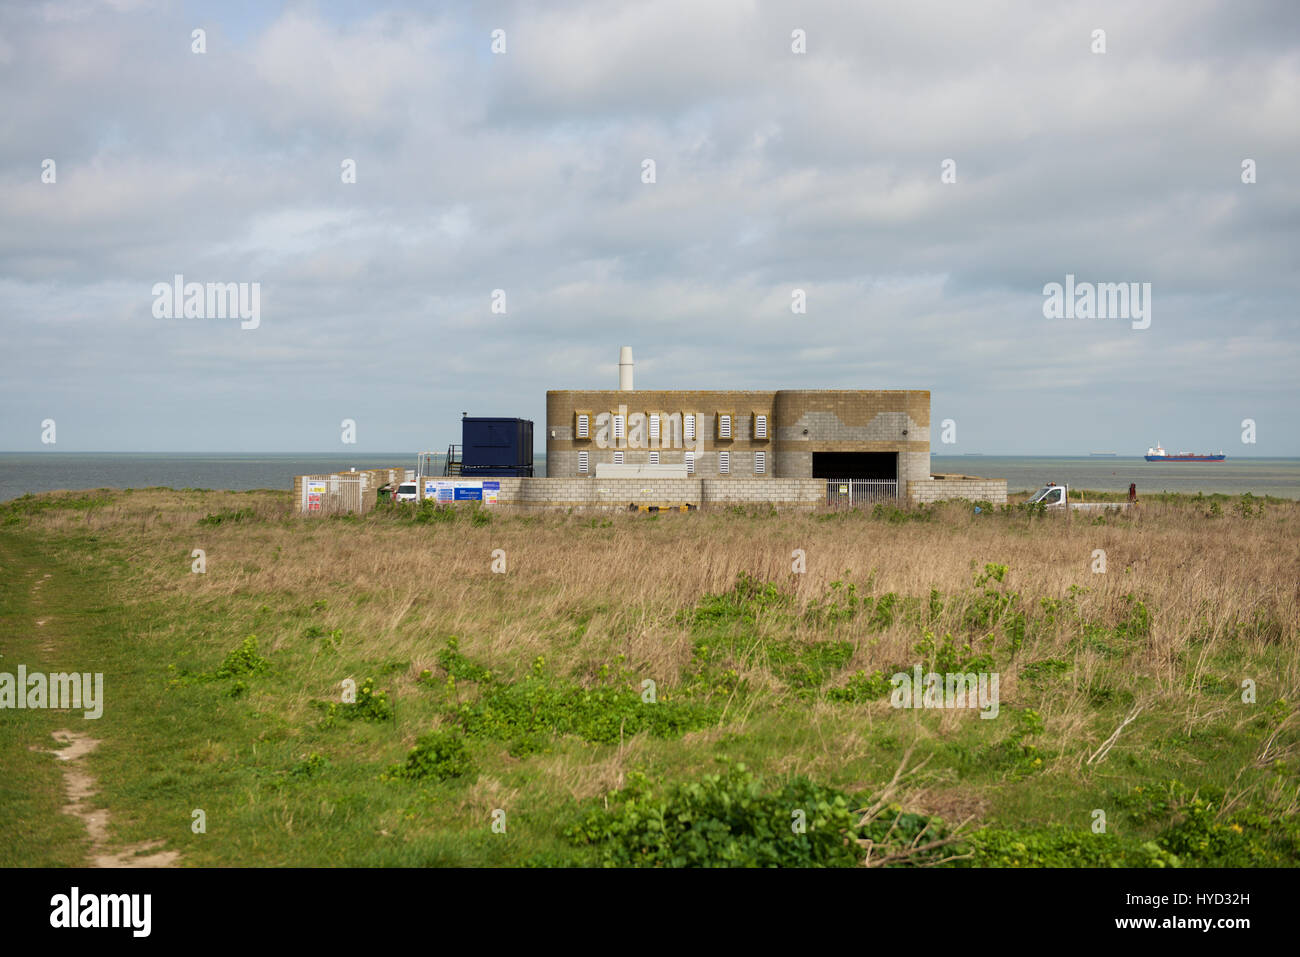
625, 369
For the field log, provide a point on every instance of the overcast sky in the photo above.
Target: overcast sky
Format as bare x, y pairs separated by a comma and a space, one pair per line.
523, 171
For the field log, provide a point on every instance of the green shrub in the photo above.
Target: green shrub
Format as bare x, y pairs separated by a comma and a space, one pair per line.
243, 661
947, 657
430, 511
1195, 825
1136, 626
861, 688
882, 512
437, 755
309, 767
1063, 847
882, 612
840, 605
542, 705
371, 705
722, 820
1014, 753
458, 666
747, 599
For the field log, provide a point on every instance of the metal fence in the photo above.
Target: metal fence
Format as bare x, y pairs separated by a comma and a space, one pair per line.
331, 494
847, 492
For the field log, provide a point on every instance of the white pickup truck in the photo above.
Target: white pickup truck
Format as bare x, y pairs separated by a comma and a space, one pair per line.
1057, 497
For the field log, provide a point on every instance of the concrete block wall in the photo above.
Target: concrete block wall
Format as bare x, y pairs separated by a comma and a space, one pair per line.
782, 492
621, 492
603, 492
914, 466
968, 488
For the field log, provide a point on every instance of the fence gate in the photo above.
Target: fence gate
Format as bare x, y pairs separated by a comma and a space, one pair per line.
848, 492
331, 494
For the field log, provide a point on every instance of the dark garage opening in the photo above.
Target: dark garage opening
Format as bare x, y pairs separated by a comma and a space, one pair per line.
855, 465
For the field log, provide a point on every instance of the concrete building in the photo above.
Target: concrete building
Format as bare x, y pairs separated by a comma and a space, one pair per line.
881, 435
791, 448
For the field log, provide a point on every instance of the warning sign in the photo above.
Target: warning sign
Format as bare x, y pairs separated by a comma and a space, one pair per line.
315, 491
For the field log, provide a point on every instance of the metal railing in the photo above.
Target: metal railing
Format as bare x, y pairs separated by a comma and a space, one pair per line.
848, 492
452, 465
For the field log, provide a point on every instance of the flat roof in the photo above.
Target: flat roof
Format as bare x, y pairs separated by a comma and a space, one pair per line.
735, 391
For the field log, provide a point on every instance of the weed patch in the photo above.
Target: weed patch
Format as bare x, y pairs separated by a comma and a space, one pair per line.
438, 756
722, 820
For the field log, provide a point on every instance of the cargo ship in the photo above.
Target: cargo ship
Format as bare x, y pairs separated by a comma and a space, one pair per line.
1160, 455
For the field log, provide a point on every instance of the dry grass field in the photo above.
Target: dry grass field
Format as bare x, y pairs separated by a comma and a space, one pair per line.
509, 655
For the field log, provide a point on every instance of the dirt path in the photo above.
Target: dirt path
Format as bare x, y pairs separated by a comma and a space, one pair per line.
80, 784
47, 645
81, 787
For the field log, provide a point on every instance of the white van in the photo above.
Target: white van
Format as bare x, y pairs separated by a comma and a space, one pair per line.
407, 492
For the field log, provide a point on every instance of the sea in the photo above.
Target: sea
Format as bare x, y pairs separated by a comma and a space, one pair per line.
1258, 476
22, 473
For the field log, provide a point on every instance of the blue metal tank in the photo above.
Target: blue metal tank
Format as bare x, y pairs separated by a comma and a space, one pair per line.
496, 446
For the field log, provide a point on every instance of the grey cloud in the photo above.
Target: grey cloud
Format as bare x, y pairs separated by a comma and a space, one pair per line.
522, 172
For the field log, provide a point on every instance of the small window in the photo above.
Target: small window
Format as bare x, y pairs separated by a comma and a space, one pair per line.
690, 463
688, 426
584, 426
760, 463
760, 426
724, 426
618, 426
618, 458
654, 426
582, 463
654, 458
724, 463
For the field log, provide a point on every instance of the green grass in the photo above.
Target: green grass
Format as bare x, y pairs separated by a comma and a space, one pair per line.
230, 703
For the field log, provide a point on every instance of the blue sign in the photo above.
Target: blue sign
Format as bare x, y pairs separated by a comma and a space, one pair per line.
469, 494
